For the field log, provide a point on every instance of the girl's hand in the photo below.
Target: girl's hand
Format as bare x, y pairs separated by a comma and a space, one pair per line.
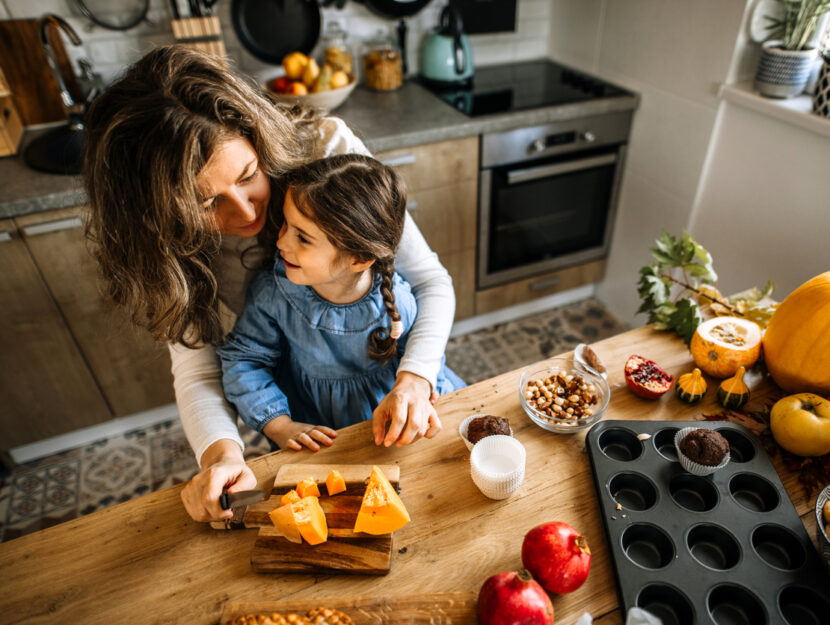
294, 435
408, 410
223, 467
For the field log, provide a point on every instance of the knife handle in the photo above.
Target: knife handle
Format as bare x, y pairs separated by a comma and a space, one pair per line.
224, 500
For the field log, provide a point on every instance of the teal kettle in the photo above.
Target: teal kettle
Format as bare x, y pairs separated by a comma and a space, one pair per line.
446, 57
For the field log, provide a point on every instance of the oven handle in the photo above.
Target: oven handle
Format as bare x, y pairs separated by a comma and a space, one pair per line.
534, 173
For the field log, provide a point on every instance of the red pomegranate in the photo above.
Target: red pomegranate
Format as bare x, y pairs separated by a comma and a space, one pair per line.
557, 556
645, 378
513, 598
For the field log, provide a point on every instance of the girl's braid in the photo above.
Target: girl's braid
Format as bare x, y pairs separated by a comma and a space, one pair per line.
382, 346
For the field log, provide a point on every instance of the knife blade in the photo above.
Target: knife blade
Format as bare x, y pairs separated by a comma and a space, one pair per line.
241, 498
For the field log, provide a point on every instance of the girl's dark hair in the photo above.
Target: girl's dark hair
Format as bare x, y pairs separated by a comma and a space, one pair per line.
148, 136
360, 204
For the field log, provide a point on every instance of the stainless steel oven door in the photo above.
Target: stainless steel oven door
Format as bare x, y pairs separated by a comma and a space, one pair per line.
535, 217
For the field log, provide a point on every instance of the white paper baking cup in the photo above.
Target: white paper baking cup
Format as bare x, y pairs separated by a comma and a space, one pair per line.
462, 429
695, 468
497, 465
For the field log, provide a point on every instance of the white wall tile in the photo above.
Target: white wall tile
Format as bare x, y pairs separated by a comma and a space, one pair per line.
575, 30
26, 9
4, 13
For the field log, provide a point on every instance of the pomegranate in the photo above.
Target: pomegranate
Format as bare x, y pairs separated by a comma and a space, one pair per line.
645, 377
513, 598
557, 556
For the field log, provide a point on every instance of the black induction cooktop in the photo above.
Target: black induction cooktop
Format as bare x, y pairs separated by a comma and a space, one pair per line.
522, 86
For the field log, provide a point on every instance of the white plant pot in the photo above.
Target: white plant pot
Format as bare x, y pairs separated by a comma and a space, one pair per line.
783, 73
821, 97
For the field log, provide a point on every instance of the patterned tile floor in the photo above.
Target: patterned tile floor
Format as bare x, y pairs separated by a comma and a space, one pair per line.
58, 488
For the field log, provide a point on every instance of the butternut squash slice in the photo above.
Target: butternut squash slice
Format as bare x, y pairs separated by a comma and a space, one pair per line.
303, 519
308, 488
283, 520
335, 482
381, 511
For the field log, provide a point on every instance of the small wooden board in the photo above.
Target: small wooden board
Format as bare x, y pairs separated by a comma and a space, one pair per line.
446, 608
345, 551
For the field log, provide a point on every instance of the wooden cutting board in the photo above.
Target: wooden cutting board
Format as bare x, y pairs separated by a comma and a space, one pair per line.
456, 608
344, 551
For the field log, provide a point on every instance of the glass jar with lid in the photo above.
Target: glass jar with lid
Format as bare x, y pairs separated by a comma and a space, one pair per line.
382, 63
336, 51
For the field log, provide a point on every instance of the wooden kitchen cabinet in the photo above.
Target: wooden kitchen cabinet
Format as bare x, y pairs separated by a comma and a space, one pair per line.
95, 366
442, 186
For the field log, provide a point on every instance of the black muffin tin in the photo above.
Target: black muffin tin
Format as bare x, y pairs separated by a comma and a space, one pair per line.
726, 549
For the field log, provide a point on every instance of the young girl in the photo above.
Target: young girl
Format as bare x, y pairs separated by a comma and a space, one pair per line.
332, 310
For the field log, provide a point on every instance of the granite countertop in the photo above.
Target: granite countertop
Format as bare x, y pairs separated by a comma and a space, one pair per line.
410, 116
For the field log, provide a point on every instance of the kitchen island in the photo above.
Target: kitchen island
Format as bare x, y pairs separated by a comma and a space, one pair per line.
145, 561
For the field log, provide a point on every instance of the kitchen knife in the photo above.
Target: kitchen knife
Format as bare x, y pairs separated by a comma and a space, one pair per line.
241, 498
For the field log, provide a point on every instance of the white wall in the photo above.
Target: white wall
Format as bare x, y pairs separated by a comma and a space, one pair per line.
111, 51
675, 53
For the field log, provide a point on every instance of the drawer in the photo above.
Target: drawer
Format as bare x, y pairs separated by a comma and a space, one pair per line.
435, 164
446, 216
529, 289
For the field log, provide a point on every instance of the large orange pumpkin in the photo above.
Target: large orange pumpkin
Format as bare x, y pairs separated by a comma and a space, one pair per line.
797, 340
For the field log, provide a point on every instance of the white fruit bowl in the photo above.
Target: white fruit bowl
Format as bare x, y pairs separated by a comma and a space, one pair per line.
323, 100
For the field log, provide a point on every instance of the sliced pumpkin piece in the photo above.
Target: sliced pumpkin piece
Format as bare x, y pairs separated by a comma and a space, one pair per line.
311, 520
335, 482
308, 488
289, 497
283, 519
381, 511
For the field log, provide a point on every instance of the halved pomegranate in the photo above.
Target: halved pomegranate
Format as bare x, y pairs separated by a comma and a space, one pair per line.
645, 377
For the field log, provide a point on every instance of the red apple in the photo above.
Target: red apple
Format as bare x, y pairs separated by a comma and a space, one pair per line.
557, 556
513, 598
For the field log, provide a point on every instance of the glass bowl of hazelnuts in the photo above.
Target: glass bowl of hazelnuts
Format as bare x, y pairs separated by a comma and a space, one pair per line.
560, 395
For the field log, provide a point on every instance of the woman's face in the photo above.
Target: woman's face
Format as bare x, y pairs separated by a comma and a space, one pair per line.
235, 189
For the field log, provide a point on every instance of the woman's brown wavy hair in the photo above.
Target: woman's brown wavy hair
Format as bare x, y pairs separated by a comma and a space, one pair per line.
360, 205
148, 136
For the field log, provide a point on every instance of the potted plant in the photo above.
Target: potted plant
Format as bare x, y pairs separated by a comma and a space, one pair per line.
787, 56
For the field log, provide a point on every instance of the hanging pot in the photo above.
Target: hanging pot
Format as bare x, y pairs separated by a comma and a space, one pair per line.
394, 9
270, 29
783, 73
821, 98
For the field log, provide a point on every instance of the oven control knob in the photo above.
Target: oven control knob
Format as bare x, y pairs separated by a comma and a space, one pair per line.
588, 136
537, 146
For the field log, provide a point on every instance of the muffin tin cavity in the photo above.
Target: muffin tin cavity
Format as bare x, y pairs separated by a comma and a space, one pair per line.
632, 491
648, 546
778, 547
713, 547
692, 492
724, 549
733, 605
753, 492
668, 604
619, 444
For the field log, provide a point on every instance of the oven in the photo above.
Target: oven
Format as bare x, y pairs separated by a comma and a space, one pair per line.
548, 196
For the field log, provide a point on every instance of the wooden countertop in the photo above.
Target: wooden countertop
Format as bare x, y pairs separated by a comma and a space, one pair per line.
145, 561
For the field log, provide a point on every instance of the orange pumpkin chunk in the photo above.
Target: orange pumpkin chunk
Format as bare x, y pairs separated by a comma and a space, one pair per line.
381, 510
289, 497
283, 519
308, 488
335, 482
300, 519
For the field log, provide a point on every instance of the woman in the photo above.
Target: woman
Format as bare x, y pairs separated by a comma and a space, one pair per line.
182, 168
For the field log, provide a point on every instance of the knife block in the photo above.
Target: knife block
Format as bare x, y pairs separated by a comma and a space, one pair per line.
11, 126
200, 33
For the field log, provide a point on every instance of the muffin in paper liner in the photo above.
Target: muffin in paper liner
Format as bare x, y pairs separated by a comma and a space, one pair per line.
462, 430
695, 468
822, 538
497, 465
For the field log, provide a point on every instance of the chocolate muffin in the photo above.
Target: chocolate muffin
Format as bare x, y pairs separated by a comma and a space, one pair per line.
704, 446
487, 425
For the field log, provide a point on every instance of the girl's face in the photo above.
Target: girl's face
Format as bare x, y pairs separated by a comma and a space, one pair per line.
310, 258
234, 189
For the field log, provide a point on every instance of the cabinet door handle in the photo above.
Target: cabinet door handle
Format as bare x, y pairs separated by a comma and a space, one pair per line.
411, 205
5, 235
544, 283
397, 161
53, 226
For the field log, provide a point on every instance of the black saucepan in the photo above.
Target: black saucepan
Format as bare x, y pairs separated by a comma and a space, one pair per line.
395, 8
270, 29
